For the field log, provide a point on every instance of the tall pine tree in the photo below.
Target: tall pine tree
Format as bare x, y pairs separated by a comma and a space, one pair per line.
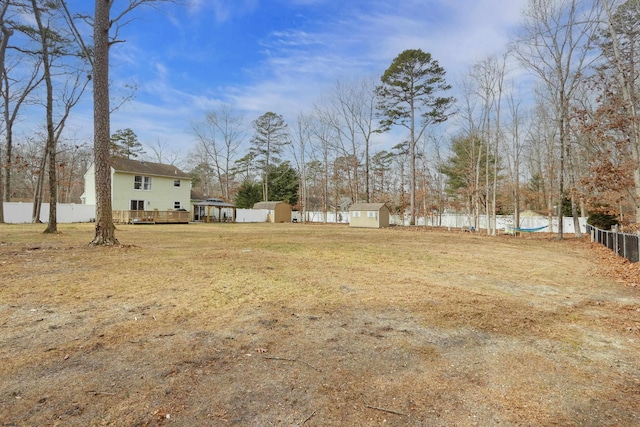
270, 137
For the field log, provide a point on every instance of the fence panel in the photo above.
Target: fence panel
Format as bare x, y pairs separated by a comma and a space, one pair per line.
623, 244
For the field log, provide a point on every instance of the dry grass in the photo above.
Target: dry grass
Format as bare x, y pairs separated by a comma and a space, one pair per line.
292, 324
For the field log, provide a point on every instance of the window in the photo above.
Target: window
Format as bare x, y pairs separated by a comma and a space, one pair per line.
137, 205
356, 214
176, 183
371, 214
177, 205
142, 182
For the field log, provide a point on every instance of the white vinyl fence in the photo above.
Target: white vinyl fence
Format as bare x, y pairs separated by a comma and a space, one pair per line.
20, 213
252, 215
453, 221
539, 224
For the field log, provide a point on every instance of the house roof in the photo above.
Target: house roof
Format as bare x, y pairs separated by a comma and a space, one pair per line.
267, 205
367, 206
198, 195
121, 164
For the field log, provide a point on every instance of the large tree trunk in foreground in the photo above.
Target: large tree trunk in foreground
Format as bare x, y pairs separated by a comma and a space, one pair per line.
105, 229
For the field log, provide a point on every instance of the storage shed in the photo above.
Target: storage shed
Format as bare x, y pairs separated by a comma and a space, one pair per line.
369, 215
278, 211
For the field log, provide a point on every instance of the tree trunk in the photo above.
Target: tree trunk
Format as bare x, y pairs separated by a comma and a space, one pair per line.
50, 147
576, 218
563, 142
1, 195
8, 158
52, 225
412, 168
37, 196
105, 229
6, 33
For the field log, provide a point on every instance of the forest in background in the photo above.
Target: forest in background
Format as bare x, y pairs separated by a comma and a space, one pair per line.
549, 125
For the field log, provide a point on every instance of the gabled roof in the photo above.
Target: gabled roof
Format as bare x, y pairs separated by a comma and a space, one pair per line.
367, 206
267, 205
121, 164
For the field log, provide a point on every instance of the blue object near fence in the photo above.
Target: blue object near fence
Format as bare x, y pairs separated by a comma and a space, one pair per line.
530, 230
623, 244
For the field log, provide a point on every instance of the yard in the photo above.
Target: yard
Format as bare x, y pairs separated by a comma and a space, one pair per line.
314, 325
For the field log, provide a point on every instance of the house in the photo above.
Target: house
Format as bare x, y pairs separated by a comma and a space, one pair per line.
369, 215
142, 186
278, 211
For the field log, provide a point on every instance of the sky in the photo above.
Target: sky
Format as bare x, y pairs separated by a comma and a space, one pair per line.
188, 59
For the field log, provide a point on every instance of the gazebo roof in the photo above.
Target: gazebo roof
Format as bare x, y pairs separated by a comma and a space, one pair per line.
215, 202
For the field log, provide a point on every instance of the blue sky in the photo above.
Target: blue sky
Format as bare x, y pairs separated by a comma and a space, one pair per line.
280, 55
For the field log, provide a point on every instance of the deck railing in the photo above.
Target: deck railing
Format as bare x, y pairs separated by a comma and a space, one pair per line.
151, 217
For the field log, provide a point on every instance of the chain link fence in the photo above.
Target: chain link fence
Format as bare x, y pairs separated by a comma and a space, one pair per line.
624, 244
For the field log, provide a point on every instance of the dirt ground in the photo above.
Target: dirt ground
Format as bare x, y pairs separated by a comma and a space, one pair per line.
314, 325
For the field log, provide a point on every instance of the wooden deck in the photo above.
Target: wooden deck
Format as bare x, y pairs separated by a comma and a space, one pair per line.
151, 217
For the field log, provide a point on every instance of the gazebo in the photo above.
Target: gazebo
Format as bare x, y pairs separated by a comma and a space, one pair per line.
214, 210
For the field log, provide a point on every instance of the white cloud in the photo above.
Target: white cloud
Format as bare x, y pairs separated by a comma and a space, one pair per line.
298, 65
301, 61
222, 10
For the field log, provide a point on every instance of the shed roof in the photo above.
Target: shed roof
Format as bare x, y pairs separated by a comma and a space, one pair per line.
367, 206
267, 205
121, 164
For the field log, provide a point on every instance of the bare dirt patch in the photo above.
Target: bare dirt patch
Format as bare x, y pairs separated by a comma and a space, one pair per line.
295, 324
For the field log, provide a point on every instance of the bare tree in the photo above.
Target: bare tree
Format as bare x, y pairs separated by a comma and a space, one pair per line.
221, 136
15, 89
489, 75
352, 114
514, 157
301, 142
323, 153
621, 53
15, 94
5, 33
163, 153
53, 46
555, 44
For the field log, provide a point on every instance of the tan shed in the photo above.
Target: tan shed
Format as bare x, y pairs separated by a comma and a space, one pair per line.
278, 211
369, 215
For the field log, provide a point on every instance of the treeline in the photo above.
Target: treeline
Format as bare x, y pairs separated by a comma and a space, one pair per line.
550, 125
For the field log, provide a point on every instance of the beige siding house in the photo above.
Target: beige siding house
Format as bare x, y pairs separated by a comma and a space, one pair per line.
369, 215
278, 211
142, 186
